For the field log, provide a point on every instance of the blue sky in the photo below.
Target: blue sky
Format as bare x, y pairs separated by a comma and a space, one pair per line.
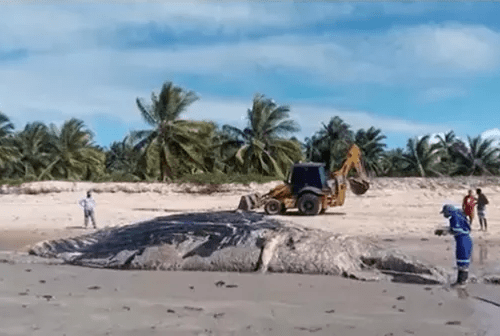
407, 68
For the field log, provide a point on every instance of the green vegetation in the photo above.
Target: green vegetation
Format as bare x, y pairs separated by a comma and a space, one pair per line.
220, 178
262, 147
181, 150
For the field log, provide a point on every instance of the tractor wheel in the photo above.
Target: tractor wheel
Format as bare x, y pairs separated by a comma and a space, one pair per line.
273, 207
309, 204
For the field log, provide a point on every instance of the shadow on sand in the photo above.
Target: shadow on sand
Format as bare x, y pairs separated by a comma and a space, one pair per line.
76, 227
161, 210
297, 213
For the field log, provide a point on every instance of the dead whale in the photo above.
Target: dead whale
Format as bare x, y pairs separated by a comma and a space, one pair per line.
237, 241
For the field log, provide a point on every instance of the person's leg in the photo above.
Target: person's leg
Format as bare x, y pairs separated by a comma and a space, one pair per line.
92, 216
86, 218
485, 224
463, 254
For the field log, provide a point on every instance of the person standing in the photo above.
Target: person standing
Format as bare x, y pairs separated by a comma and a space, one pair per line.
468, 205
460, 229
88, 205
482, 201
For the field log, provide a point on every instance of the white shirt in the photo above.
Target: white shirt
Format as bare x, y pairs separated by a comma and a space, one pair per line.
87, 203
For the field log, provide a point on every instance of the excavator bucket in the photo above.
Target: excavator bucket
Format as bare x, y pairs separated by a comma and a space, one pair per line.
358, 185
249, 202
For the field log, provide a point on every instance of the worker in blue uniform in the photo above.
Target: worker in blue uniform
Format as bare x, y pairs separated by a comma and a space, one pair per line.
460, 229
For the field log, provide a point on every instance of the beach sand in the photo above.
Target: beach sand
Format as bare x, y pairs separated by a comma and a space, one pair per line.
42, 299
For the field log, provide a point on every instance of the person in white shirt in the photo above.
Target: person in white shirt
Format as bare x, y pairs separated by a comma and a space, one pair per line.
88, 205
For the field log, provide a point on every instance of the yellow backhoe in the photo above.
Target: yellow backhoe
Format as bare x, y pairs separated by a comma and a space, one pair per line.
309, 189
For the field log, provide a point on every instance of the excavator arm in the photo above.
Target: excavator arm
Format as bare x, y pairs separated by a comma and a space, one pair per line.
353, 160
359, 184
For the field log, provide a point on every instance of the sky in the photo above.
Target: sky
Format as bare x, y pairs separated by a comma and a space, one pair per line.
408, 68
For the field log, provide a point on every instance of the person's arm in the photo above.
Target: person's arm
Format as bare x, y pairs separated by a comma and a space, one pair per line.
442, 231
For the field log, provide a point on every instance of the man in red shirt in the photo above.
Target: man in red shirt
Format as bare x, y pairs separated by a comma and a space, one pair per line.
468, 205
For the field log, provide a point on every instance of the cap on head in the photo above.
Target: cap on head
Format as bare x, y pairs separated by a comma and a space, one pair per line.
89, 193
447, 210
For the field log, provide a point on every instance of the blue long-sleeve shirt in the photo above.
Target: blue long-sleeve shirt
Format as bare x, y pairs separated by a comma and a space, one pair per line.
459, 225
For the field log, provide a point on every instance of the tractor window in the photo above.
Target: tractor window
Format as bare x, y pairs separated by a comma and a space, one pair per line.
322, 175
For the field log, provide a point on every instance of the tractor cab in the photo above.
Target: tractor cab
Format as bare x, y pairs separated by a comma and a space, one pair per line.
310, 176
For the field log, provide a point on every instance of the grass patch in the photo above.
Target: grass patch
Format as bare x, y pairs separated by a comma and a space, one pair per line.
12, 182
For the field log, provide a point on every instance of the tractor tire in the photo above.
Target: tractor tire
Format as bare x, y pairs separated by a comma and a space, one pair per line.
309, 204
273, 207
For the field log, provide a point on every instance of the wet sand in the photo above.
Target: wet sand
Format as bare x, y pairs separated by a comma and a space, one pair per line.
50, 299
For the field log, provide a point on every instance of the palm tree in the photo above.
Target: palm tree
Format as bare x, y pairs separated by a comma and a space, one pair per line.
262, 147
179, 144
33, 145
479, 157
393, 163
372, 148
123, 160
72, 152
221, 158
330, 144
8, 152
449, 144
422, 157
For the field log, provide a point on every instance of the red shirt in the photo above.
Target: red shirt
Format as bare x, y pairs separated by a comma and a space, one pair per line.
468, 204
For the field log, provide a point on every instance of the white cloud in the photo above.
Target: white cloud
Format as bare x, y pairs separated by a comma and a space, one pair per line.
493, 134
399, 55
436, 94
451, 47
49, 26
423, 52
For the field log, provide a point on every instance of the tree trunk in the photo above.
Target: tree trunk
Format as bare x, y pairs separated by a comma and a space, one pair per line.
49, 167
166, 171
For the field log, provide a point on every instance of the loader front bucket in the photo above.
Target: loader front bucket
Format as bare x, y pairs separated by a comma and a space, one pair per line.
249, 202
359, 186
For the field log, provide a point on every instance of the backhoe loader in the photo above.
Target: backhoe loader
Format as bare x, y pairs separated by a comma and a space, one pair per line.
310, 189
